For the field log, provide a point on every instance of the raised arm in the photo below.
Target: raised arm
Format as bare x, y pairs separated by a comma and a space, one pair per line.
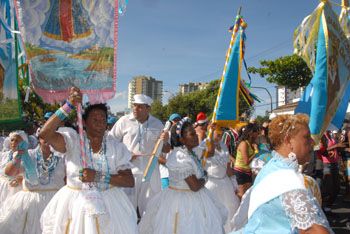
49, 133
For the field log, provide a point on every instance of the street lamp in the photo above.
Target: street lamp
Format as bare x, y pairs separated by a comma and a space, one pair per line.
258, 87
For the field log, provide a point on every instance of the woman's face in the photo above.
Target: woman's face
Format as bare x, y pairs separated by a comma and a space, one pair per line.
189, 138
15, 140
217, 136
96, 122
302, 145
254, 135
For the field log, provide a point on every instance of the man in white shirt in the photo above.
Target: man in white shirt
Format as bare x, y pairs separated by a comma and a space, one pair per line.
139, 131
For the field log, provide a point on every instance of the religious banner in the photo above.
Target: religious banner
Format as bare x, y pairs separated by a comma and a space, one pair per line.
323, 45
71, 43
344, 21
10, 108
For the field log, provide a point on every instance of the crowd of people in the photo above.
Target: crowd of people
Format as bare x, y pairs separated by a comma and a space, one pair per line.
248, 178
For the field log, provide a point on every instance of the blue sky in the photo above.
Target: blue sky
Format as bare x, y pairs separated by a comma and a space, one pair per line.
186, 40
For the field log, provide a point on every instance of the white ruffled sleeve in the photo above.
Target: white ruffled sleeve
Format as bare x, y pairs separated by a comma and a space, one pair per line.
71, 138
180, 166
121, 156
303, 210
5, 158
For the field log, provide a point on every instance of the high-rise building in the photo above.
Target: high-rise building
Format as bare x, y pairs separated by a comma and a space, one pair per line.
145, 85
190, 87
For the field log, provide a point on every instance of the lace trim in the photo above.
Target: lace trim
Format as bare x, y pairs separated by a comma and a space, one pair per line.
303, 210
181, 173
290, 162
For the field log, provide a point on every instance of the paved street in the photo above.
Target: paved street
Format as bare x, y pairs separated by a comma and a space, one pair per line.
339, 218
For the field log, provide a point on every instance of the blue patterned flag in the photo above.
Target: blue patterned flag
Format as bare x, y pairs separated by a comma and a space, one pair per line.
324, 47
344, 20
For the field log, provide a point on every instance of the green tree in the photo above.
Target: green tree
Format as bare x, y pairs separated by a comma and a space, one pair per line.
35, 108
158, 110
289, 71
261, 119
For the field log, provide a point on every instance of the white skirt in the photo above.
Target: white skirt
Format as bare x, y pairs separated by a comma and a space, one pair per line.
181, 212
21, 212
224, 191
64, 214
6, 190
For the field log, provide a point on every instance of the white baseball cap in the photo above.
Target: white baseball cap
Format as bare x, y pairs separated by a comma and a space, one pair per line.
142, 99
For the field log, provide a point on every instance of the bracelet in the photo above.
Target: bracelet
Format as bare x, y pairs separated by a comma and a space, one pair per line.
106, 178
61, 114
102, 178
70, 105
97, 177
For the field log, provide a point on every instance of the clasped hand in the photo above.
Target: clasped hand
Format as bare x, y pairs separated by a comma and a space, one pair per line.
87, 175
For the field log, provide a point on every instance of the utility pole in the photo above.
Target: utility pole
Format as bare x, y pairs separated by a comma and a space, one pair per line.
258, 87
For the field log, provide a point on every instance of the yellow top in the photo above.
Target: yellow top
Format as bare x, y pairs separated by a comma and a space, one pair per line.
239, 163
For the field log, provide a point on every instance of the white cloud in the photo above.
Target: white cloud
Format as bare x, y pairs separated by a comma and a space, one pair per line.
119, 102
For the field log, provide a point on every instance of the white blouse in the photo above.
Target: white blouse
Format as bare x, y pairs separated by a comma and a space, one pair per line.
117, 155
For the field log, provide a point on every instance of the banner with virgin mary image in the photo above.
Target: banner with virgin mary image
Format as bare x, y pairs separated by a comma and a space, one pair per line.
70, 43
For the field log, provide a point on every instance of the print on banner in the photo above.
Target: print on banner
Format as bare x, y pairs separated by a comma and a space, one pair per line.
70, 43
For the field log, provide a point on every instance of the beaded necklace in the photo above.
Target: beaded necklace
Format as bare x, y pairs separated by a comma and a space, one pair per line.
45, 168
99, 162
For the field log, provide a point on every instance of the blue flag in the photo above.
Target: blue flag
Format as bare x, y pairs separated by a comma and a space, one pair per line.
323, 45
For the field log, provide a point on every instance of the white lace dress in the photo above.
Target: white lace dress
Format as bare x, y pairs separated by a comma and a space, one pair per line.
22, 211
180, 210
220, 184
5, 189
65, 212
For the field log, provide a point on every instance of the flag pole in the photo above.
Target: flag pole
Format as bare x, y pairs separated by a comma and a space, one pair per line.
213, 119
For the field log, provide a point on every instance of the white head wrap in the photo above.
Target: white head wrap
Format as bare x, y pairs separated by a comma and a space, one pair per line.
20, 133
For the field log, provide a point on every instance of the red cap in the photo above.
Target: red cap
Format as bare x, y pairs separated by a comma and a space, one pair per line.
201, 118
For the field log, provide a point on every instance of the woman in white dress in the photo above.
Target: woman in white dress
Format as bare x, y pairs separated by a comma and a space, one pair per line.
93, 200
10, 185
219, 183
186, 206
21, 212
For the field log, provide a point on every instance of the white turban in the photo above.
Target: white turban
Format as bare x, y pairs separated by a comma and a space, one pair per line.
20, 133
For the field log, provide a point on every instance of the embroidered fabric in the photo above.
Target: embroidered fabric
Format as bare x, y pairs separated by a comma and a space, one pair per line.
179, 174
181, 165
303, 210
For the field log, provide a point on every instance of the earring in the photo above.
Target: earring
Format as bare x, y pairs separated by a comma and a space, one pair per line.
292, 156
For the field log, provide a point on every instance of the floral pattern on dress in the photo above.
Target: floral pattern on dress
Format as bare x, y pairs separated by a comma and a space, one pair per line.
303, 210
